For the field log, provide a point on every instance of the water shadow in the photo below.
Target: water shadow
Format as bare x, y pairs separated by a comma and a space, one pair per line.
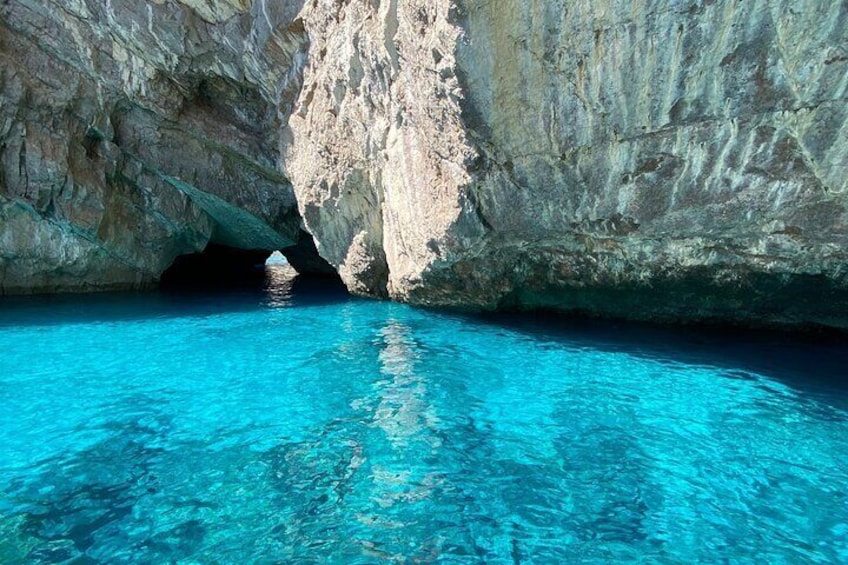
275, 286
810, 362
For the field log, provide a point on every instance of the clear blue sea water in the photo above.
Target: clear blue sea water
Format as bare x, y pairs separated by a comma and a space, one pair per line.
289, 425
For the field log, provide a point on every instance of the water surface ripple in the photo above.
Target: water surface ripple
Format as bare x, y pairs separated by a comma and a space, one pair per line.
289, 426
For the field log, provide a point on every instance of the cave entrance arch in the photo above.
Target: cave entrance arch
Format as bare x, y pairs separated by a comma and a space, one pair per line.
222, 266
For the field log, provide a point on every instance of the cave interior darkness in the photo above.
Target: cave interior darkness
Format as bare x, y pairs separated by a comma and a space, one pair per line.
222, 266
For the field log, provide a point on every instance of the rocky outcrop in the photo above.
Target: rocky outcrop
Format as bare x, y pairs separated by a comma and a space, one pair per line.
659, 160
135, 132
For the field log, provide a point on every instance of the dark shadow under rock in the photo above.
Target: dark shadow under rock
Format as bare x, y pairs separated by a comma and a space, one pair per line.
305, 259
216, 266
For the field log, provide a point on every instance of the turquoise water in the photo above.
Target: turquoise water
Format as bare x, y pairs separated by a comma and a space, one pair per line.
289, 426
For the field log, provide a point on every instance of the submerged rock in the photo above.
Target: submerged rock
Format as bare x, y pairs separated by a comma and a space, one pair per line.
659, 160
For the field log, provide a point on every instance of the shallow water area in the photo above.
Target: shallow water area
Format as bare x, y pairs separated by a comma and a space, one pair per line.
293, 423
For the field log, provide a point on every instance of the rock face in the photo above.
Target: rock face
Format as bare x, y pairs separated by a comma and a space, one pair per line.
663, 160
133, 132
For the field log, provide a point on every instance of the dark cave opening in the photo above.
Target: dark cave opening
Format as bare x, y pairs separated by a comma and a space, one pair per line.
217, 266
220, 267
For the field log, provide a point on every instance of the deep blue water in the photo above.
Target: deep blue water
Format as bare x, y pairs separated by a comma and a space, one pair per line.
289, 425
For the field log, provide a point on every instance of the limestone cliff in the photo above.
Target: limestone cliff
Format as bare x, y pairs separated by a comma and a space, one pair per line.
133, 132
662, 159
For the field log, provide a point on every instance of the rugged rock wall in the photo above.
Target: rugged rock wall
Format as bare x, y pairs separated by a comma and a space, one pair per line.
672, 160
133, 132
662, 159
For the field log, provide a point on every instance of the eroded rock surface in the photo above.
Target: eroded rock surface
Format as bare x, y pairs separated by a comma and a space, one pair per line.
663, 160
134, 132
672, 159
